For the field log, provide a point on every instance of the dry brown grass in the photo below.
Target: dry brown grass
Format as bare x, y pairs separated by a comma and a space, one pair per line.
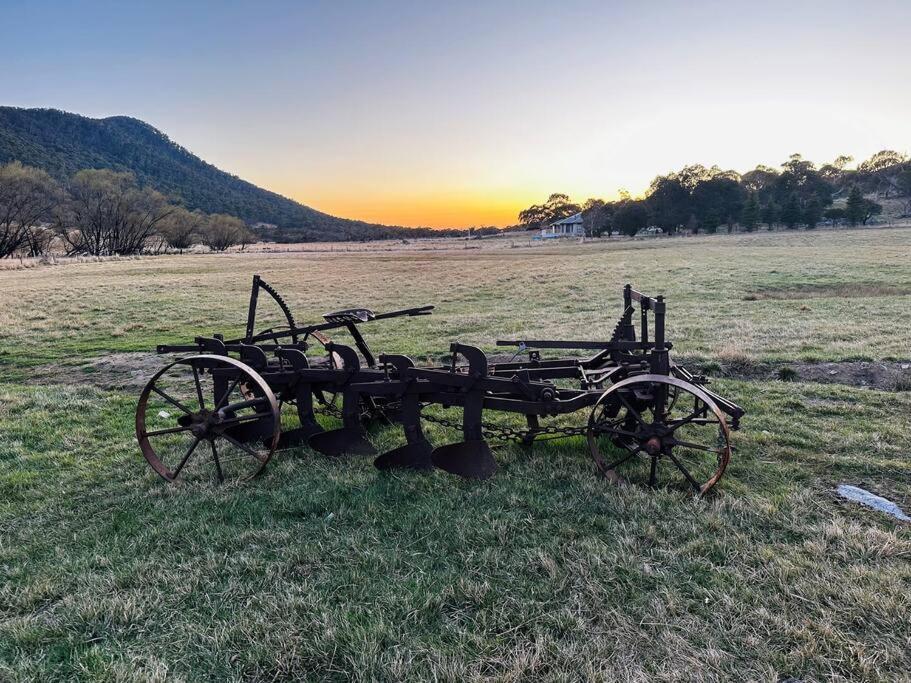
323, 570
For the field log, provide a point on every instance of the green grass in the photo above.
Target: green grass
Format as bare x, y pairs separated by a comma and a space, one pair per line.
326, 570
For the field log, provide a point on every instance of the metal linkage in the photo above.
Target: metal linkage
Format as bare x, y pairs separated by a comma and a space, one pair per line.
639, 405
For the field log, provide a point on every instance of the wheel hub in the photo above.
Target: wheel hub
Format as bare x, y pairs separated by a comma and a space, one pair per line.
652, 446
203, 423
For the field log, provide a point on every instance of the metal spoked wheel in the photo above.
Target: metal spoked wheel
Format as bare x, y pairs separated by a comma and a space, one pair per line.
207, 414
655, 423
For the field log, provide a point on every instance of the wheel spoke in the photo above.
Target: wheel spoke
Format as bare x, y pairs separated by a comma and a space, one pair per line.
653, 472
170, 430
676, 424
224, 396
689, 477
172, 401
221, 475
202, 402
241, 446
614, 430
186, 457
630, 408
616, 464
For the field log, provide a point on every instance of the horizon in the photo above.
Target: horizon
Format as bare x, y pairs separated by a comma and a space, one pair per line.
462, 116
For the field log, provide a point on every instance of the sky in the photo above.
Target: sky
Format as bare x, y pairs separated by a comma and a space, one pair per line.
461, 114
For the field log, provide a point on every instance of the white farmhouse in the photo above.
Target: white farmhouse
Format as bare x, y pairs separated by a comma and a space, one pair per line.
571, 226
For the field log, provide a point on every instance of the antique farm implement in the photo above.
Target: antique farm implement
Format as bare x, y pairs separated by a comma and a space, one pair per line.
220, 409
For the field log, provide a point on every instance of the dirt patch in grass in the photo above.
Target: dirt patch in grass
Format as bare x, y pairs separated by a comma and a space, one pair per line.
882, 375
112, 371
842, 290
131, 371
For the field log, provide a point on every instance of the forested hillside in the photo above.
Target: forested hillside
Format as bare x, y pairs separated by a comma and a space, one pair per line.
63, 143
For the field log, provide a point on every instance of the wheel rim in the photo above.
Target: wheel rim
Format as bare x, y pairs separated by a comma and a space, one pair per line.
658, 425
196, 419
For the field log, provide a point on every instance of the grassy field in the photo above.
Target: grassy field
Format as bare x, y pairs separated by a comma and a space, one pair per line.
325, 570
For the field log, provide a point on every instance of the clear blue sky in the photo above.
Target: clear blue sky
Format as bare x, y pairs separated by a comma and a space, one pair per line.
419, 113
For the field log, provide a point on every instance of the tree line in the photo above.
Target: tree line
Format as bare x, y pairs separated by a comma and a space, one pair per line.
700, 199
101, 212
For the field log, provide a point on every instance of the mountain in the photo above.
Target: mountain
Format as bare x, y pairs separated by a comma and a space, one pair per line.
62, 143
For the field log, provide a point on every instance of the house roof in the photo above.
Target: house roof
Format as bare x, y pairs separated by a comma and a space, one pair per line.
570, 220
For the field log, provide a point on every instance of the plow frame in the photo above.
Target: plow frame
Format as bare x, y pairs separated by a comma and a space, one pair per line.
624, 377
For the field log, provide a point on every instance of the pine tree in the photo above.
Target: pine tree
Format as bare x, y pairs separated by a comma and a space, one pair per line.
791, 212
751, 213
770, 214
855, 207
812, 213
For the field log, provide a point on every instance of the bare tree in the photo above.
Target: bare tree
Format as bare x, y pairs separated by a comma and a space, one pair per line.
27, 196
181, 228
221, 232
108, 214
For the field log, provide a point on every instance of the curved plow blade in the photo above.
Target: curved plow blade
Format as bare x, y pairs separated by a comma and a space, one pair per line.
344, 441
411, 456
468, 459
299, 436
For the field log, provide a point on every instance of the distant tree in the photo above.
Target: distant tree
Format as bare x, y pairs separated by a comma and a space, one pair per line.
835, 214
841, 162
791, 212
669, 203
248, 237
903, 181
717, 200
557, 207
881, 161
800, 177
221, 232
593, 217
630, 217
749, 219
834, 172
770, 214
760, 180
27, 196
859, 209
107, 213
690, 176
533, 217
812, 212
180, 230
870, 209
854, 210
879, 172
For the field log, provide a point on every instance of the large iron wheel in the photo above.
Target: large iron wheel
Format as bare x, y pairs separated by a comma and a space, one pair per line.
205, 414
655, 419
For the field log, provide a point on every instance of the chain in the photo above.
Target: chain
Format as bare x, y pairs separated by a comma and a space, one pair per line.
489, 431
500, 433
329, 409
